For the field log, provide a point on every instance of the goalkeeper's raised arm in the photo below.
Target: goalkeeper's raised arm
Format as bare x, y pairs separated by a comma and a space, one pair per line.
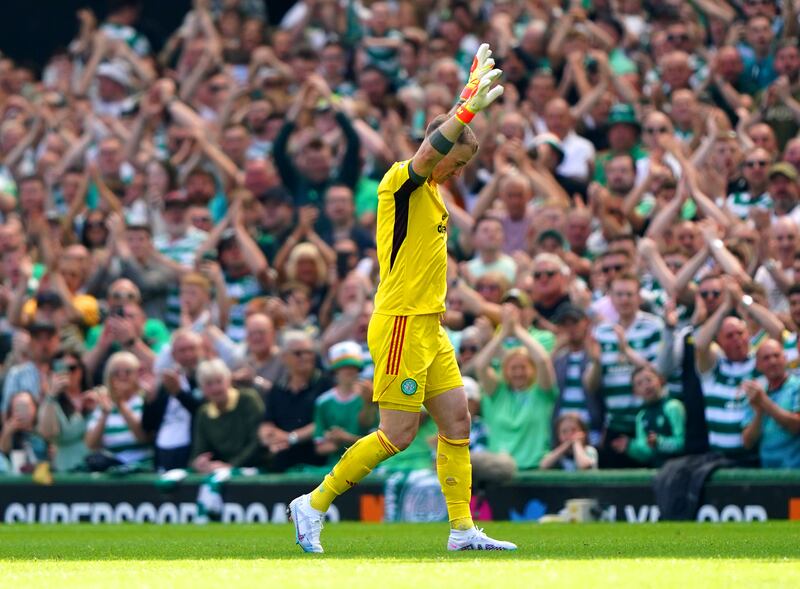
480, 91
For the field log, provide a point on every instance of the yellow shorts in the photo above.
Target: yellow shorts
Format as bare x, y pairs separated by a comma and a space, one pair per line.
414, 360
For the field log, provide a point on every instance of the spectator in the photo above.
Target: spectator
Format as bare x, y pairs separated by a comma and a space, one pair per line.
346, 412
518, 405
168, 413
573, 451
226, 426
619, 348
772, 419
115, 428
288, 427
488, 240
660, 424
18, 438
33, 377
65, 411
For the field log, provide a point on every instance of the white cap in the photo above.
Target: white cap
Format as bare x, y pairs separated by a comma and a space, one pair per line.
346, 353
115, 70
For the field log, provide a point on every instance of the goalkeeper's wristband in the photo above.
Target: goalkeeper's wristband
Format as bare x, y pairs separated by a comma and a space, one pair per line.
464, 115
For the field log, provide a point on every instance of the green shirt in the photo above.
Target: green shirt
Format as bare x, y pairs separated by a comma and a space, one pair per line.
70, 447
333, 410
155, 334
519, 422
667, 419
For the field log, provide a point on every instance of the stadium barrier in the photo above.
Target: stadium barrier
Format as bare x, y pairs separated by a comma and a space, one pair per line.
625, 496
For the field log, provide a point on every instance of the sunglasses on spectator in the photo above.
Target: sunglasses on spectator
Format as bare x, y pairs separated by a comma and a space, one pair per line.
487, 286
95, 225
756, 163
124, 296
217, 88
301, 353
175, 205
122, 372
543, 273
614, 268
201, 219
710, 294
760, 2
656, 130
682, 37
468, 348
72, 367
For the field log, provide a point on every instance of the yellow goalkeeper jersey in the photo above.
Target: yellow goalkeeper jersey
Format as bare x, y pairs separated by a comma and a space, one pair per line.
412, 245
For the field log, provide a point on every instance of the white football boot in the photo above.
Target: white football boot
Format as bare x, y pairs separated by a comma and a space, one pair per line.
475, 539
307, 523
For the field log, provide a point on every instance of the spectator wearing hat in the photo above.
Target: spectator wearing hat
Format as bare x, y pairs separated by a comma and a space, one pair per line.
346, 412
33, 376
276, 222
288, 426
784, 192
570, 361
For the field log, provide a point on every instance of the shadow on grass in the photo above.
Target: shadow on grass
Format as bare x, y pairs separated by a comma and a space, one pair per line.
400, 542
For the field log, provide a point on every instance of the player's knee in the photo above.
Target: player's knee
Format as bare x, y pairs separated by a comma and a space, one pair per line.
459, 424
401, 437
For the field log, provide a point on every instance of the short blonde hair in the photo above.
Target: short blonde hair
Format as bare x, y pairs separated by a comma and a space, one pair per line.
208, 369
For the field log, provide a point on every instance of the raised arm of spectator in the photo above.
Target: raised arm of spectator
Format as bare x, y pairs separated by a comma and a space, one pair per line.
100, 46
75, 152
720, 253
475, 303
545, 373
13, 158
350, 166
106, 194
705, 355
280, 148
716, 9
223, 163
192, 80
253, 256
648, 249
593, 373
487, 376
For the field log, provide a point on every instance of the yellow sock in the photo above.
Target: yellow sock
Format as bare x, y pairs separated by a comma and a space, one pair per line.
455, 476
354, 465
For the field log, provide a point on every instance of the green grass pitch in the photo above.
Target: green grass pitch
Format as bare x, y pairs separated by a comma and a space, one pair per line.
408, 556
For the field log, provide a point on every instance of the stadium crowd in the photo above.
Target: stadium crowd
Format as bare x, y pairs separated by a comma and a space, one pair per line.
187, 254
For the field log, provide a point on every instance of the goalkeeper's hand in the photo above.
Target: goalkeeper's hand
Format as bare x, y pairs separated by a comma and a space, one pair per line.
483, 96
482, 64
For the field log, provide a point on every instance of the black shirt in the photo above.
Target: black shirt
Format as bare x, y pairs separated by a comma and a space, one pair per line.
290, 410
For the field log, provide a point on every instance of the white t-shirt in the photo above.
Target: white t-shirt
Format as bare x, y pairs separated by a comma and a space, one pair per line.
579, 153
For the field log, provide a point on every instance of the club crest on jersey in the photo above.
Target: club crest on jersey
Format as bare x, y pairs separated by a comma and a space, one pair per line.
408, 386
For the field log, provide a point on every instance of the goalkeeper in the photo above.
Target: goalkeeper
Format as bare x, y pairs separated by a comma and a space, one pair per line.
415, 363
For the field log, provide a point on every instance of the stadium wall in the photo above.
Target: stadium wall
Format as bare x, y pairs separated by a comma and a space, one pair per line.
731, 495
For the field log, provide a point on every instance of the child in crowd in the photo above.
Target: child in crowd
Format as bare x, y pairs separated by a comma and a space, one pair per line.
660, 424
572, 453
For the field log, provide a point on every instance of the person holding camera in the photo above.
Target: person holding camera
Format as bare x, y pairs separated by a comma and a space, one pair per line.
64, 413
18, 438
